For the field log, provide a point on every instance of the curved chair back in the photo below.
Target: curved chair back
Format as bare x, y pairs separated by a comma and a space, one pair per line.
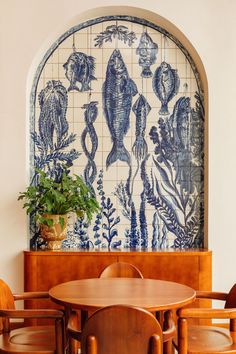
34, 339
231, 298
121, 270
121, 329
196, 339
6, 301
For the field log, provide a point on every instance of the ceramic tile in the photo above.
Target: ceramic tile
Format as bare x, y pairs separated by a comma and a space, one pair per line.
141, 138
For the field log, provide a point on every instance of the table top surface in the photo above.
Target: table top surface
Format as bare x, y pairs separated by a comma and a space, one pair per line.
151, 294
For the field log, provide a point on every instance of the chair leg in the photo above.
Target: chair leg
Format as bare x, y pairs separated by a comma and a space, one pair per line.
155, 344
73, 346
168, 347
182, 336
84, 317
59, 325
91, 345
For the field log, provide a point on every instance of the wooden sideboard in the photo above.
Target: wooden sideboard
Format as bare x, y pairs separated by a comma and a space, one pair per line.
45, 269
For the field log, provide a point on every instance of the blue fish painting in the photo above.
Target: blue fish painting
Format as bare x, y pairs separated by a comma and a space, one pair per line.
80, 68
141, 108
52, 119
178, 123
118, 90
147, 51
165, 84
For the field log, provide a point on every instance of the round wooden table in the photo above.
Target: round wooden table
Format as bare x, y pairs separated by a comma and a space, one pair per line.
150, 294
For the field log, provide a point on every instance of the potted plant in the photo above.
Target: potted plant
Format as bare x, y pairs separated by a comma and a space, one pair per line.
50, 200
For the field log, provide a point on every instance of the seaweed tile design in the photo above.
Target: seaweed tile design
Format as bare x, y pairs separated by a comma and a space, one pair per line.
81, 231
109, 221
114, 31
184, 187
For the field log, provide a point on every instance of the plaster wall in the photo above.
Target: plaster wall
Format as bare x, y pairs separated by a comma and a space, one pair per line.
27, 28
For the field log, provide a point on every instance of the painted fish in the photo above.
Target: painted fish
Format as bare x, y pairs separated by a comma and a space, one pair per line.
147, 51
52, 119
165, 84
141, 108
90, 115
80, 68
178, 123
118, 90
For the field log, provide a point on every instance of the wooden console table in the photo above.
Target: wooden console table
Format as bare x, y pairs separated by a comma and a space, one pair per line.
45, 269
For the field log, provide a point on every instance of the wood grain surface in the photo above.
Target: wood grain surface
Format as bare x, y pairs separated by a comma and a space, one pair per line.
150, 294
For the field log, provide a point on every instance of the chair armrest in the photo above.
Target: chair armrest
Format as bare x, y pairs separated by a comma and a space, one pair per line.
206, 313
211, 295
72, 329
39, 313
31, 295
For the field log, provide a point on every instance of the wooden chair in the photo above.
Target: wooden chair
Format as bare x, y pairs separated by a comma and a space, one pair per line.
34, 339
128, 270
121, 270
208, 339
114, 270
123, 329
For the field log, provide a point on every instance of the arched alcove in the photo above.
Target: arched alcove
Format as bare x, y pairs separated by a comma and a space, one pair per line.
121, 97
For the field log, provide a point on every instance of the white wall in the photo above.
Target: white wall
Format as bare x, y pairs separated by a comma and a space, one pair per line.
25, 28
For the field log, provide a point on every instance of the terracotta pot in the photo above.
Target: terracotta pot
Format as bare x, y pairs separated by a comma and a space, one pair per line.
54, 234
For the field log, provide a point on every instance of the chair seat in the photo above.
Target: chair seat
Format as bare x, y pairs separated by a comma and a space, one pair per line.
29, 339
209, 339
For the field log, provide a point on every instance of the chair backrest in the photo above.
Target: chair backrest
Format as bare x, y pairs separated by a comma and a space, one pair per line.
121, 329
6, 300
231, 298
121, 270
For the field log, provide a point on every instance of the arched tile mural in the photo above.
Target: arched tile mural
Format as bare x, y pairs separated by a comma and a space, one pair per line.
119, 100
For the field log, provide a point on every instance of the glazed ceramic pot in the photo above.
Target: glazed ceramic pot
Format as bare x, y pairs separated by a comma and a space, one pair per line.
54, 234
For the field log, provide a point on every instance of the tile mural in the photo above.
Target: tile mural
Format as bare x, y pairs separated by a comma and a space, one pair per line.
119, 100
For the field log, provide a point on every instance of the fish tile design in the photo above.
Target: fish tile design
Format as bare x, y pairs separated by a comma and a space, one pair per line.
165, 85
79, 67
118, 90
147, 51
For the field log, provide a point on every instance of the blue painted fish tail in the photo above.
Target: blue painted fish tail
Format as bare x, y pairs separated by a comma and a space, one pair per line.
118, 153
140, 148
73, 87
146, 72
164, 109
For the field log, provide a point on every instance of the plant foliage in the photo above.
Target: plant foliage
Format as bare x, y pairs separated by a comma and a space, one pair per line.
59, 197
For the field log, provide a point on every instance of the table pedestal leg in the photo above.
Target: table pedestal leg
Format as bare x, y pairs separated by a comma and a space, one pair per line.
84, 317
